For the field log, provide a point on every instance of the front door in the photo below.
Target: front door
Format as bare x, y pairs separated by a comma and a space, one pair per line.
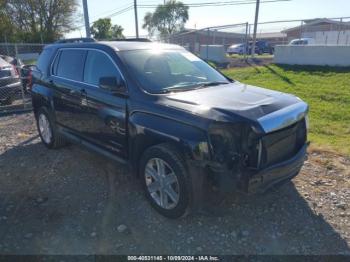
105, 112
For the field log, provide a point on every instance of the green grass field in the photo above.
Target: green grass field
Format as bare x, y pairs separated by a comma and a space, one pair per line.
325, 89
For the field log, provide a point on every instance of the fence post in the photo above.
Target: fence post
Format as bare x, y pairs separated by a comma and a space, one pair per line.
19, 72
208, 35
6, 44
246, 40
339, 29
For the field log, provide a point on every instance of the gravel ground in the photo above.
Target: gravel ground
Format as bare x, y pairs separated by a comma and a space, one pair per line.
71, 201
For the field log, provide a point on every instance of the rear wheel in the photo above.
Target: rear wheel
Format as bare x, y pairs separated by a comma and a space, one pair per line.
48, 132
164, 177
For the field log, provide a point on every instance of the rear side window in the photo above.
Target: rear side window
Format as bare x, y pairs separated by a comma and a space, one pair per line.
43, 60
71, 64
98, 65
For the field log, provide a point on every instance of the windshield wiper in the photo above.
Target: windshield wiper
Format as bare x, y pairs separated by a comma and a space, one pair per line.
214, 83
198, 85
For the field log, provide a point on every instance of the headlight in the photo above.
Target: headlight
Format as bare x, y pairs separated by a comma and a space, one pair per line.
224, 142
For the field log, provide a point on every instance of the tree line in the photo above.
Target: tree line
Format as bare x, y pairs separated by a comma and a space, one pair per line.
48, 20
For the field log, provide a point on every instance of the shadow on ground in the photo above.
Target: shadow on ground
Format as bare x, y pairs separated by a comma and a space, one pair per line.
70, 201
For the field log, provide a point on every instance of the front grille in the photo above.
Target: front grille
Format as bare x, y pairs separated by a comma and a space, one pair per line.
283, 144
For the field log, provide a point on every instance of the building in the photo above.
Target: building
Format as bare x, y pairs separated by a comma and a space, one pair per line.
323, 30
193, 39
274, 38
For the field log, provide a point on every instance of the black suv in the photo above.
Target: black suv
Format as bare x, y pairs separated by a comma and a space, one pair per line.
262, 47
176, 121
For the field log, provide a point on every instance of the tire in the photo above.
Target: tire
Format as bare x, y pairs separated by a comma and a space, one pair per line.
8, 100
175, 164
52, 138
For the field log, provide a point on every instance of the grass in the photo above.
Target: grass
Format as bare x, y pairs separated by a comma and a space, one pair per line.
325, 89
29, 62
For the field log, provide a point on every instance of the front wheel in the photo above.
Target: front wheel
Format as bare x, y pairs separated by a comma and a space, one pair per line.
165, 180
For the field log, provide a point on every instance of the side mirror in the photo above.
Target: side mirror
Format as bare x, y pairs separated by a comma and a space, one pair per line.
112, 84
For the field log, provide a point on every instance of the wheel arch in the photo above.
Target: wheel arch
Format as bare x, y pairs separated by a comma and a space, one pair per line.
41, 97
147, 130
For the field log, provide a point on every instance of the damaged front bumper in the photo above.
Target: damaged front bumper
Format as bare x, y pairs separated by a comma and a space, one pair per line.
260, 181
251, 181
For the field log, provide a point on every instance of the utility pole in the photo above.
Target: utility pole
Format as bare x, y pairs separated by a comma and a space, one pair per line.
255, 27
136, 22
86, 18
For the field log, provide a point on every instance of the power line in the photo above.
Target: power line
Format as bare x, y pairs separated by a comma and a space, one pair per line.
130, 7
112, 11
205, 4
201, 4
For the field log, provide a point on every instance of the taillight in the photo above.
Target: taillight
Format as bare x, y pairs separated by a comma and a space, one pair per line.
16, 70
30, 80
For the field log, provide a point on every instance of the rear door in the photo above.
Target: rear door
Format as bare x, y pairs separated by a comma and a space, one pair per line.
70, 96
105, 113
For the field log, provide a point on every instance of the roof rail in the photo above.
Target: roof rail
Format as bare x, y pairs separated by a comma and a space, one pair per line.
132, 39
75, 40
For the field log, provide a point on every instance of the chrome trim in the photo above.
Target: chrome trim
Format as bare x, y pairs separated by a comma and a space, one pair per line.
283, 117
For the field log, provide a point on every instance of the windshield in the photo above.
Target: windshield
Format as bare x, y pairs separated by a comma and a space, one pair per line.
162, 71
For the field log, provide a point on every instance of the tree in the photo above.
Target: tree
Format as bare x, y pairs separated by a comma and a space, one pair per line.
6, 28
167, 19
41, 20
103, 29
117, 32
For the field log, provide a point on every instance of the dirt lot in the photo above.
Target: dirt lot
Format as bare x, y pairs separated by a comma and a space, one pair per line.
71, 201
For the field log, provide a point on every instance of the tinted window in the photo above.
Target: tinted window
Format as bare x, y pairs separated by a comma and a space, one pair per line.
71, 64
98, 65
43, 60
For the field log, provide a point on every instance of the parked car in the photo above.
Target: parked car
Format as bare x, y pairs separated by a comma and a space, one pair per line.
10, 82
26, 77
241, 49
23, 70
173, 119
236, 49
302, 41
263, 47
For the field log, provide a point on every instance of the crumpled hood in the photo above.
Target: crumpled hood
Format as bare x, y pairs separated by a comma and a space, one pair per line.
236, 101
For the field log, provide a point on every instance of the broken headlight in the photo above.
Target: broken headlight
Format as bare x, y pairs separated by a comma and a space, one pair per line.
225, 143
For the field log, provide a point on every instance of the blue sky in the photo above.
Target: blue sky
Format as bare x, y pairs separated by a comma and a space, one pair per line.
212, 16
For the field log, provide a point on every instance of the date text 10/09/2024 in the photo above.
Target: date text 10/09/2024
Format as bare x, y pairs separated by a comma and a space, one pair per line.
173, 258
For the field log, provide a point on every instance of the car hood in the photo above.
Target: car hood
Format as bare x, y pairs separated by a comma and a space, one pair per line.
266, 109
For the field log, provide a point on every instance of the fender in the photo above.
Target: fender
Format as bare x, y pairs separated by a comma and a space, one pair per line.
42, 96
147, 129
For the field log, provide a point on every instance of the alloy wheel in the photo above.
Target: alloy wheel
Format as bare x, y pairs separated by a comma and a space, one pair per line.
162, 183
44, 128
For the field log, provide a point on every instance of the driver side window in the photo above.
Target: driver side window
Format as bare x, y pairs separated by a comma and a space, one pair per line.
98, 65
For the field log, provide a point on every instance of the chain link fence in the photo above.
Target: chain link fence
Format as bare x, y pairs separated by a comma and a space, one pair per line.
235, 41
15, 78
